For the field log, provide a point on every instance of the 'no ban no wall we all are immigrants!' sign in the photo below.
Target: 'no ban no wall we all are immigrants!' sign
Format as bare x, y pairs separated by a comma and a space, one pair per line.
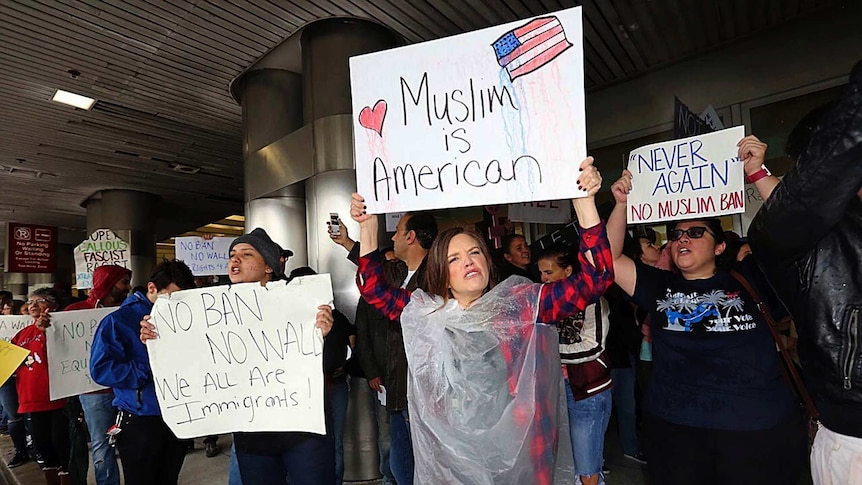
487, 117
241, 358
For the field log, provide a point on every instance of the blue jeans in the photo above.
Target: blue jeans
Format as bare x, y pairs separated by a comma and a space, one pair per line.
309, 461
16, 425
383, 439
588, 421
401, 447
100, 414
233, 477
339, 391
624, 402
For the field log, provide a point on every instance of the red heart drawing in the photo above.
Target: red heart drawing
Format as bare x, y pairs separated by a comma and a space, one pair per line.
373, 118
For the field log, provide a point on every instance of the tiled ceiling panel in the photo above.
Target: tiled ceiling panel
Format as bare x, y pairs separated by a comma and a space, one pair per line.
161, 69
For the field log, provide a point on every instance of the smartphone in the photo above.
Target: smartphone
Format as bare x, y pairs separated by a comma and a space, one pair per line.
334, 227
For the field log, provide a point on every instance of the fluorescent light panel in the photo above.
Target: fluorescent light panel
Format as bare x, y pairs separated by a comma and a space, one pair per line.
73, 99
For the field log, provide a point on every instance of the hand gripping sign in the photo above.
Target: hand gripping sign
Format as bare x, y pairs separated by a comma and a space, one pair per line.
241, 358
700, 176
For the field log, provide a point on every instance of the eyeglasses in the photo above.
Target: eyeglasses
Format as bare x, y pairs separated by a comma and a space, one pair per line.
694, 232
39, 300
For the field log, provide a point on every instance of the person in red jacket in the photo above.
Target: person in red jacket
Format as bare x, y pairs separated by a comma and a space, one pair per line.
111, 285
48, 424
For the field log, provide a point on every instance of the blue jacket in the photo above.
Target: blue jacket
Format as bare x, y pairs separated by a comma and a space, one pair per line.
119, 360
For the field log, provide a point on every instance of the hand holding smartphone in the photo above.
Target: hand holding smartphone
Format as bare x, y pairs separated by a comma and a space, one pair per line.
334, 226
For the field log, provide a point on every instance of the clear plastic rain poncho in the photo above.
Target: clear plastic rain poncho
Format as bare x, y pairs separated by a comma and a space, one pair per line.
479, 381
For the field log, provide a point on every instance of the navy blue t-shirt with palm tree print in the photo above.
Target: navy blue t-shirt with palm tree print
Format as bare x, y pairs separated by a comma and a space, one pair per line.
715, 364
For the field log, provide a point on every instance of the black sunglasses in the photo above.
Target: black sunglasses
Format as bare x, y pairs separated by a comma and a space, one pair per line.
694, 232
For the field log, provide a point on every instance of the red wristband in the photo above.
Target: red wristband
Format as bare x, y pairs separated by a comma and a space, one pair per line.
763, 172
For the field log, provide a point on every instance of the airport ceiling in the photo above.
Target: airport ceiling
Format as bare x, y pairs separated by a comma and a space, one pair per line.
160, 70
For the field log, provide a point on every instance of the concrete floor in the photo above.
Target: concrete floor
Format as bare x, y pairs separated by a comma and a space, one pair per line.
198, 469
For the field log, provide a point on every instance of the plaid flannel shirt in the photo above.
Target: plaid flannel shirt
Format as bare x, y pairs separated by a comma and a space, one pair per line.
556, 301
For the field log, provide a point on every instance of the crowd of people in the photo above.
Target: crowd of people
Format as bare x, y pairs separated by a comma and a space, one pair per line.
471, 350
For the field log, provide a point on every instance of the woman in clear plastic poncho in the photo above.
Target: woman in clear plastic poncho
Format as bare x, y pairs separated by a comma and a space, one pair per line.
483, 383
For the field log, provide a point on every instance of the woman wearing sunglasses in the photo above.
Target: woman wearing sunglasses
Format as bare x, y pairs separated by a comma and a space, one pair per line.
717, 409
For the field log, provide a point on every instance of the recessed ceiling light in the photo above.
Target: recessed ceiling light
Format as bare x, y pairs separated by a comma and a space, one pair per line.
73, 99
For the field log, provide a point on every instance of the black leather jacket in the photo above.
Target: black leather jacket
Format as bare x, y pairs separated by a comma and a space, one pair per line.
808, 237
380, 342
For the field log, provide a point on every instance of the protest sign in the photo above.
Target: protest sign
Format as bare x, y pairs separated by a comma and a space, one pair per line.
69, 339
204, 257
711, 118
699, 176
487, 117
753, 203
564, 236
545, 212
11, 357
30, 249
241, 357
103, 247
686, 122
392, 220
11, 324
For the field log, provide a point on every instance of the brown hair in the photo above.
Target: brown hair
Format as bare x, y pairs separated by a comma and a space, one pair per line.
438, 262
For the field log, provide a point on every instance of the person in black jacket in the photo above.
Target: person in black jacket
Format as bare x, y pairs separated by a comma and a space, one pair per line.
413, 237
808, 238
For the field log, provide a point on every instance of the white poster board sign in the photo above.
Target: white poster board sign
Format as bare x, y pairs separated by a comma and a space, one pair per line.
545, 212
753, 203
102, 248
241, 358
700, 176
204, 257
12, 324
487, 117
392, 221
69, 339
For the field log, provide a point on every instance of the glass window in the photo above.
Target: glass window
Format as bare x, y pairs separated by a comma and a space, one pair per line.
773, 123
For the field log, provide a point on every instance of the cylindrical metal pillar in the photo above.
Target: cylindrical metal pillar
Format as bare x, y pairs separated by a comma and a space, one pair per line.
131, 215
17, 283
272, 109
327, 46
283, 218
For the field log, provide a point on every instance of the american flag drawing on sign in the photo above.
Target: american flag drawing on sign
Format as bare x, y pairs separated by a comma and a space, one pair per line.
531, 46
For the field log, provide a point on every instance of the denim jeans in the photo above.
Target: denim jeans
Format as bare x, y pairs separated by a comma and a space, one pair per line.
588, 421
339, 391
383, 439
16, 425
624, 402
100, 414
233, 477
309, 462
401, 447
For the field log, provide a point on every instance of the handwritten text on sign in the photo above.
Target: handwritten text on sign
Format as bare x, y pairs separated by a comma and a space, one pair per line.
241, 358
487, 117
102, 248
12, 324
693, 177
204, 257
70, 337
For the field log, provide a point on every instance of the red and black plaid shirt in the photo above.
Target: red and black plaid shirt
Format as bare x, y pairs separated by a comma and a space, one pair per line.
556, 301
